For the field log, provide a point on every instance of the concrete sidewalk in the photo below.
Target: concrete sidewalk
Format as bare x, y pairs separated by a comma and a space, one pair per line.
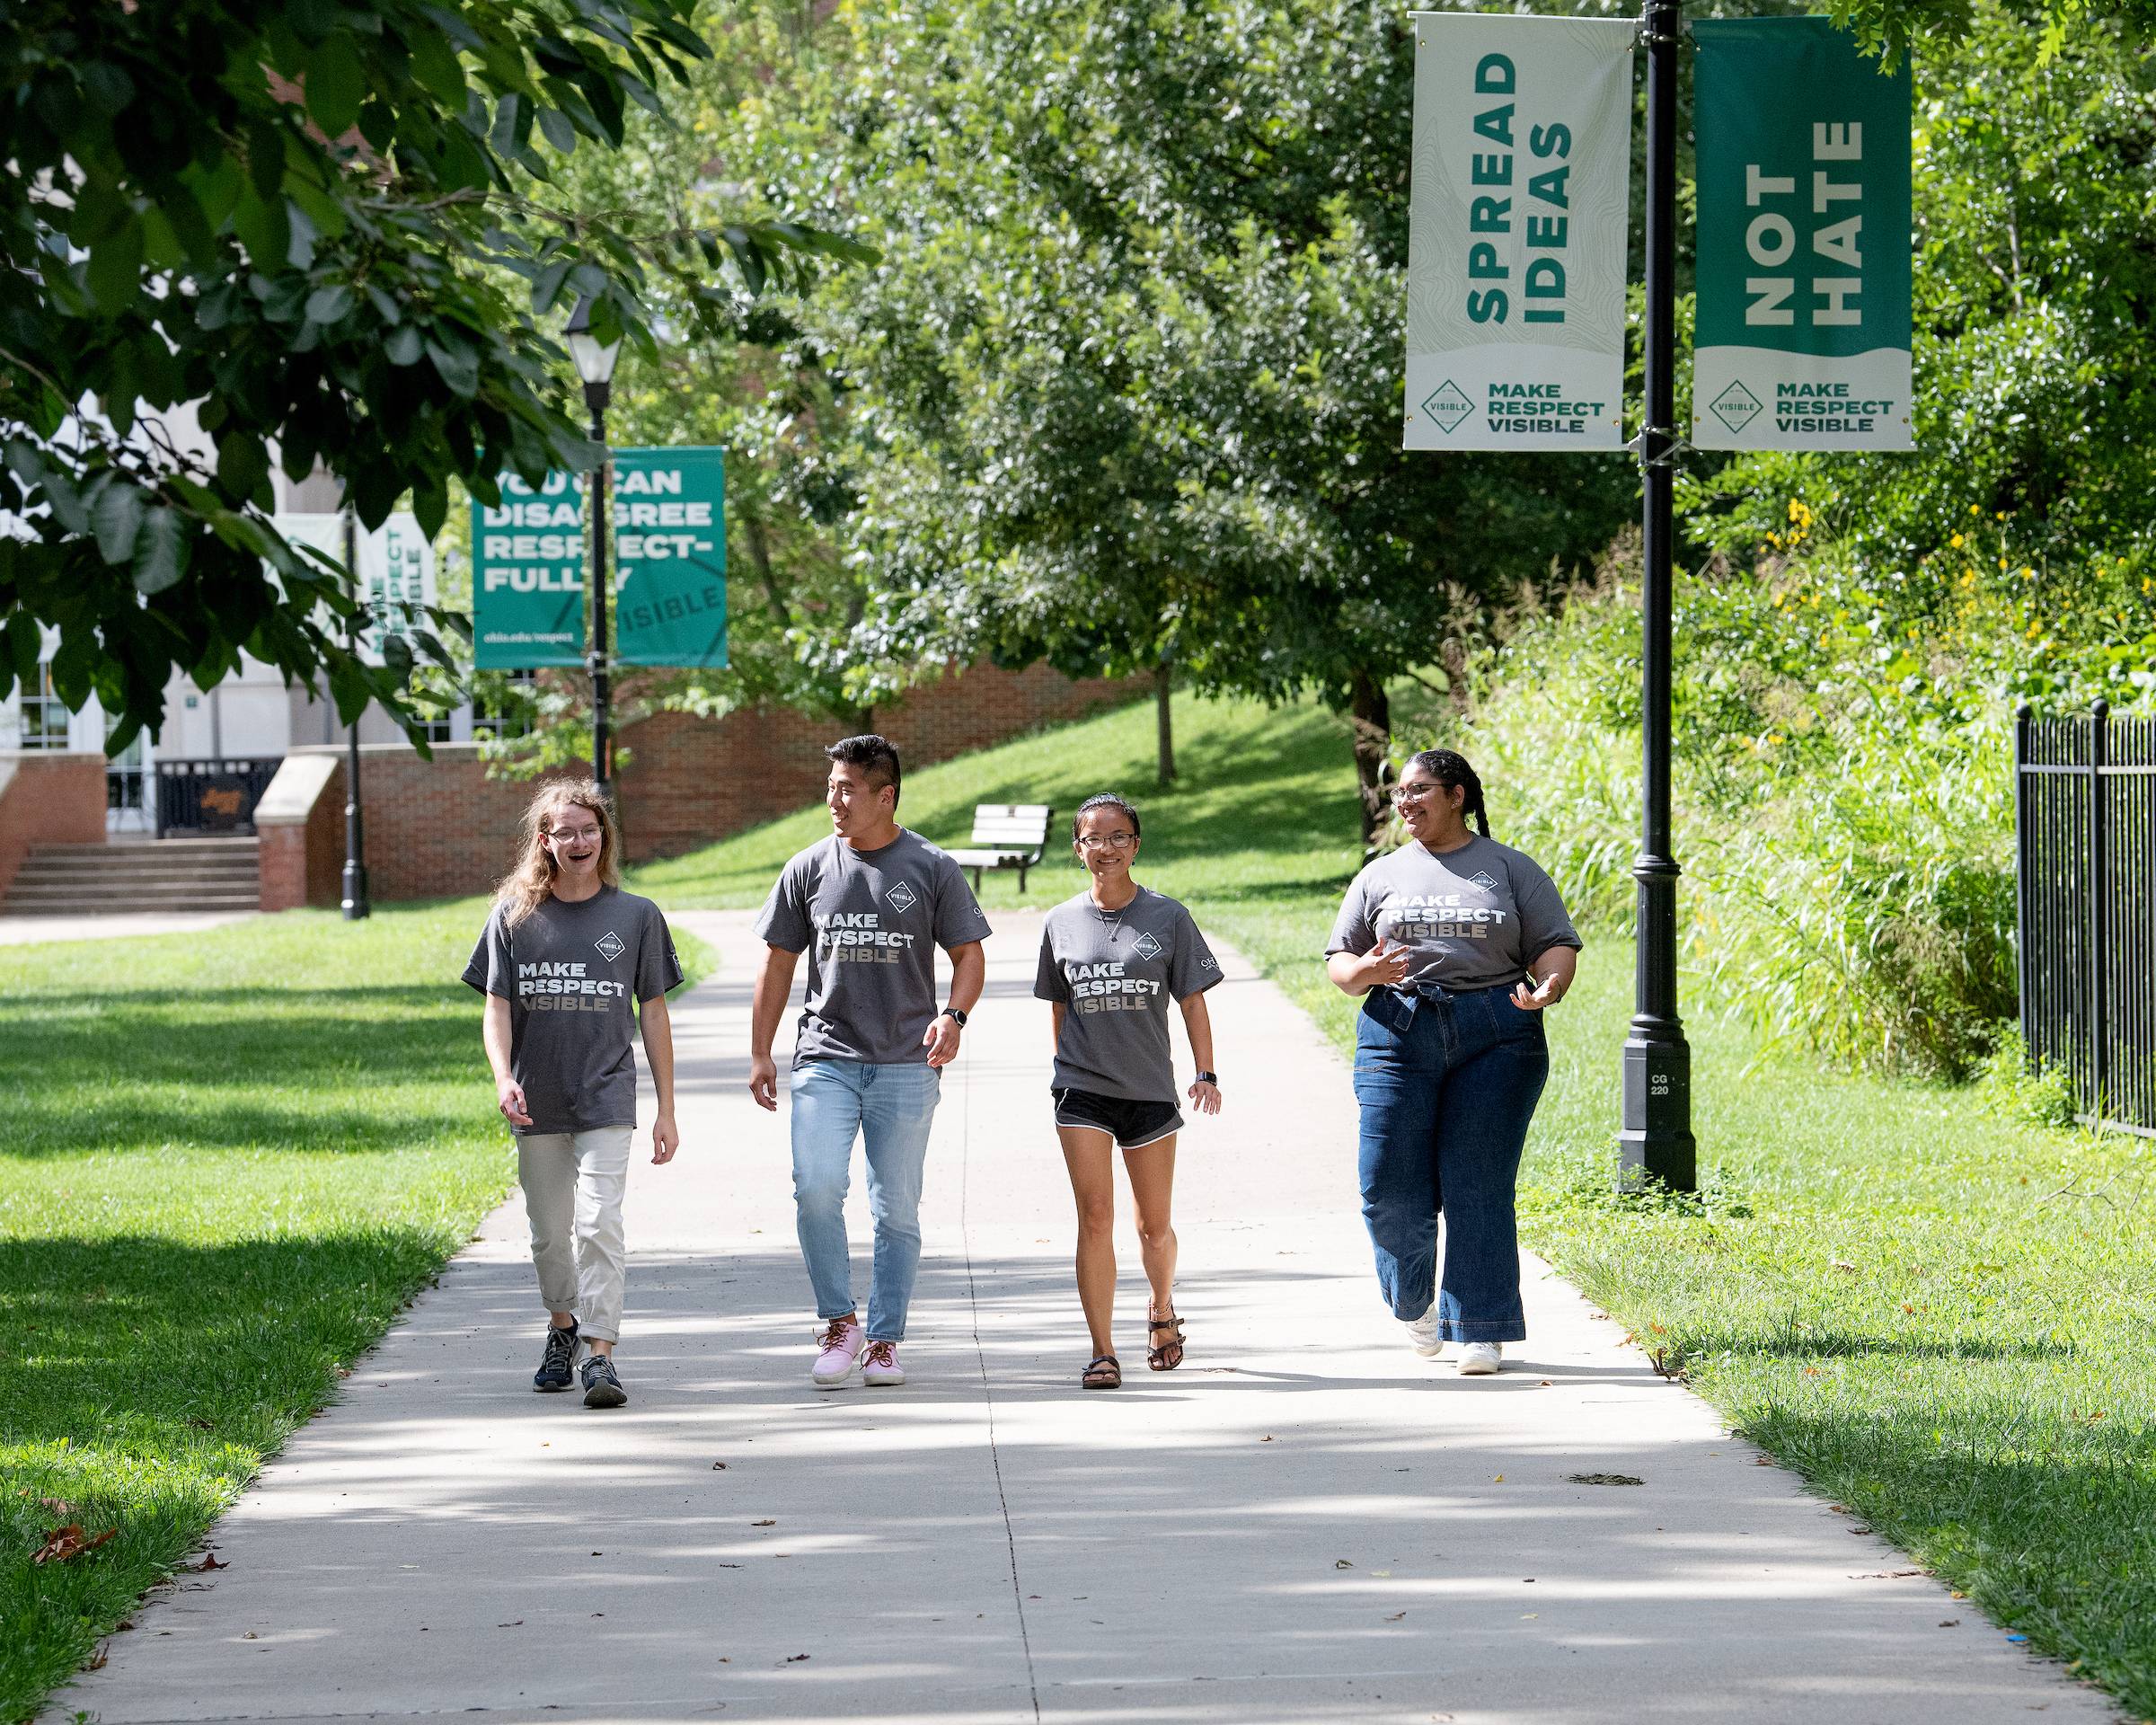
1305, 1522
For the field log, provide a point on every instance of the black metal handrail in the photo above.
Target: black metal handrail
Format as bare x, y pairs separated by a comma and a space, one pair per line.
2085, 906
214, 796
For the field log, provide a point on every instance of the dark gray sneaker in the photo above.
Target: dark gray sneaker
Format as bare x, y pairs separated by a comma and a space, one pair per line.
557, 1365
601, 1388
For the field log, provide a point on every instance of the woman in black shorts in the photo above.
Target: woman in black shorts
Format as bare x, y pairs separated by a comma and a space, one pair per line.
1110, 960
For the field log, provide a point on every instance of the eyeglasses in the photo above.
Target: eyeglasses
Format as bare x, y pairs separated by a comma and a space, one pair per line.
1118, 840
1414, 792
575, 835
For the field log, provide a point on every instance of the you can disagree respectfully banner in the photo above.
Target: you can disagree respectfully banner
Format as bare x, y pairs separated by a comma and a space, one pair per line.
1802, 336
1516, 234
669, 564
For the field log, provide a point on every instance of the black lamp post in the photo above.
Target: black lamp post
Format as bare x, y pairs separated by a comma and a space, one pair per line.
595, 364
1656, 1139
355, 903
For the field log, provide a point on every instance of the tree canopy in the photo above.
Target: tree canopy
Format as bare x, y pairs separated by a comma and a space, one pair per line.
323, 231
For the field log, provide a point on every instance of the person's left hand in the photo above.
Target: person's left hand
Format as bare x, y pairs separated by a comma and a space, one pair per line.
665, 1140
1546, 994
1206, 1098
940, 1039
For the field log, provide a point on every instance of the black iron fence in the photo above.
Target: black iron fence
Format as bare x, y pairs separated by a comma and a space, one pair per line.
2085, 874
211, 797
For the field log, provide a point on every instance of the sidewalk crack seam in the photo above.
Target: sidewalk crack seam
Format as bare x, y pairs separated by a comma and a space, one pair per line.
996, 1456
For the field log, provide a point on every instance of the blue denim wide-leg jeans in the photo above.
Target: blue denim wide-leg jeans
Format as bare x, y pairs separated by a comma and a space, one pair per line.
1447, 1085
889, 1109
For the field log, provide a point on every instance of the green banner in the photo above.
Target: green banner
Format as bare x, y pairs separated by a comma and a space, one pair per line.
528, 600
669, 557
1802, 337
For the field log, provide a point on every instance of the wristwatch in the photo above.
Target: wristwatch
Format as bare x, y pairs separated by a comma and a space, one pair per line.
955, 1016
1212, 1078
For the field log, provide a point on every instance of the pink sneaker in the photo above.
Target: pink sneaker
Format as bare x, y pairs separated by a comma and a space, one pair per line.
879, 1365
840, 1341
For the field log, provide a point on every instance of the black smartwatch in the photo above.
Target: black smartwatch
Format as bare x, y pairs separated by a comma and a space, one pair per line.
955, 1016
1212, 1078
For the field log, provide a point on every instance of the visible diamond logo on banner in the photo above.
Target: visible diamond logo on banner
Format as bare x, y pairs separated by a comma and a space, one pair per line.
611, 946
1482, 881
1148, 947
1448, 406
1735, 407
902, 897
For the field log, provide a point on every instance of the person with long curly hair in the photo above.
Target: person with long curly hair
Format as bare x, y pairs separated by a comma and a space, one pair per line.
565, 954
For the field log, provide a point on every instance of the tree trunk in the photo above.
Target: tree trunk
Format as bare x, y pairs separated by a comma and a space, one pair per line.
1372, 715
1163, 685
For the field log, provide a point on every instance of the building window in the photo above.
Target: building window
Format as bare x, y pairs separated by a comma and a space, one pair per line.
44, 714
509, 714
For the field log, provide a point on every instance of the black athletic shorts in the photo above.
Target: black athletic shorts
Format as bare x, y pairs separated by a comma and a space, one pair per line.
1131, 1123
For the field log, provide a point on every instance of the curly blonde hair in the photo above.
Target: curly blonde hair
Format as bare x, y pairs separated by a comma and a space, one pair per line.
531, 882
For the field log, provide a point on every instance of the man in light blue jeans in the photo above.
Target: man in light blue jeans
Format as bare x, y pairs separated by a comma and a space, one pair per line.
869, 905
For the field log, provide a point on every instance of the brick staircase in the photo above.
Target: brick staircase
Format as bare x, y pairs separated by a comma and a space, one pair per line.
171, 874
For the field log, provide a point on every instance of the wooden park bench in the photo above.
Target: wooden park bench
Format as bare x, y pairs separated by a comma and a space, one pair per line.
1008, 835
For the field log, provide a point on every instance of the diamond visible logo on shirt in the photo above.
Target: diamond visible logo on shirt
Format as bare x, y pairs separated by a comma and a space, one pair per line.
902, 897
1482, 881
611, 945
1148, 947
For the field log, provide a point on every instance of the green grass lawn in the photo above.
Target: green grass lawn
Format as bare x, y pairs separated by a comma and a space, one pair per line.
1944, 1320
228, 1160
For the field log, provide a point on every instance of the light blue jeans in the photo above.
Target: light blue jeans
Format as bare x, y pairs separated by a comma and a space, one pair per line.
890, 1110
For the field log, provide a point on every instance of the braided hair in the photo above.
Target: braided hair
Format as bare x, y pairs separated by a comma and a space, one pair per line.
1453, 772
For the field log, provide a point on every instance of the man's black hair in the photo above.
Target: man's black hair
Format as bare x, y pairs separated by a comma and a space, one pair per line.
877, 757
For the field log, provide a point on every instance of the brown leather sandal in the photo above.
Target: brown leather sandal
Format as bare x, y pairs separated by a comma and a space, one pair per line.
1168, 1354
1105, 1372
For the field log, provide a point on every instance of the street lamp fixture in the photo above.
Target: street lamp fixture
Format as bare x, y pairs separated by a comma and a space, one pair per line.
594, 366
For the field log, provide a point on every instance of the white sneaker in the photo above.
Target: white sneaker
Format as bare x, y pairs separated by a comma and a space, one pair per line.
879, 1365
1479, 1359
1422, 1334
838, 1348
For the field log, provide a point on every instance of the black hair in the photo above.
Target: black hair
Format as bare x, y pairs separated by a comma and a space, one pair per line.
1453, 772
877, 757
1105, 799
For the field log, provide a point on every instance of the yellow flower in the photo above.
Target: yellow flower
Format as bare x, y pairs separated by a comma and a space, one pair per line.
1975, 511
2002, 562
2001, 516
2028, 574
1955, 541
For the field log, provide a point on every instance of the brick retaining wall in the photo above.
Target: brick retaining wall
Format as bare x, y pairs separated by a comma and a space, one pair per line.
48, 798
442, 827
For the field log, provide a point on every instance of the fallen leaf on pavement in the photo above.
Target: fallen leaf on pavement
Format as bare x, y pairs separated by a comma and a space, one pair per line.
1948, 1622
795, 1658
1396, 1616
209, 1561
717, 1467
1341, 1564
96, 1661
515, 1623
764, 1523
1604, 1478
1497, 1479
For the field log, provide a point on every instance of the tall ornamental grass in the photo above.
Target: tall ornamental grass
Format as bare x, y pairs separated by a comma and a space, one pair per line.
1842, 783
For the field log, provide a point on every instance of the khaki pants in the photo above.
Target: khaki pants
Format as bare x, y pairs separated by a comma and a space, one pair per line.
574, 1181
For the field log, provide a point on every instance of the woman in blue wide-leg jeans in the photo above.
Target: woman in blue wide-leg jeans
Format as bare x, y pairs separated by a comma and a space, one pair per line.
1458, 945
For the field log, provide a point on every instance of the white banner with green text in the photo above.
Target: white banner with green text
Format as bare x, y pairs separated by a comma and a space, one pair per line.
1516, 234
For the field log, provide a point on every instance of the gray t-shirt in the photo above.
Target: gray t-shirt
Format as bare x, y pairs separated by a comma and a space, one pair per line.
1115, 971
871, 922
1474, 916
568, 971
